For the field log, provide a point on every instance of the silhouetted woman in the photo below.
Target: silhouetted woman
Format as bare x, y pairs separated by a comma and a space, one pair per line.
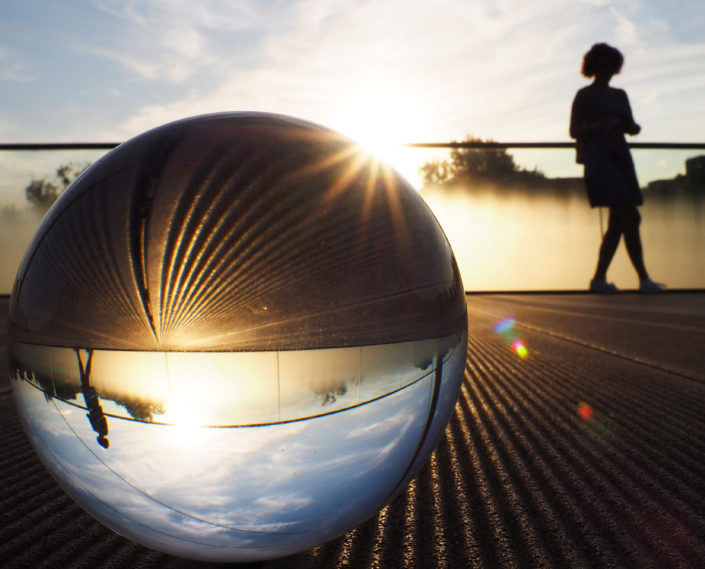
600, 117
95, 412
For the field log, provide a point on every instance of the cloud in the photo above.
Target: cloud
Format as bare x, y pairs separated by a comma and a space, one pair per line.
329, 50
137, 65
150, 14
12, 68
504, 70
174, 54
173, 41
15, 72
626, 29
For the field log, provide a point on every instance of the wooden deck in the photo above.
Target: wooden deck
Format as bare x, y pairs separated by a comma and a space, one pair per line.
588, 452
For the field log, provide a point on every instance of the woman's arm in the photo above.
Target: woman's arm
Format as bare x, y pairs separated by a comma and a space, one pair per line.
631, 127
579, 115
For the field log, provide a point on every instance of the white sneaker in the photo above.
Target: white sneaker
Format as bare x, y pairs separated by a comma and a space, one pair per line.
601, 286
648, 286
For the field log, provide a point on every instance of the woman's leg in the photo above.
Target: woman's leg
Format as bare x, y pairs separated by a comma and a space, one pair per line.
632, 239
610, 241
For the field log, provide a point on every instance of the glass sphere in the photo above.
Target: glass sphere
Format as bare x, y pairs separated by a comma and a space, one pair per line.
237, 336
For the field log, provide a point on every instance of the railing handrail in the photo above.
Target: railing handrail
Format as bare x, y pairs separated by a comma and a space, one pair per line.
492, 144
453, 144
58, 145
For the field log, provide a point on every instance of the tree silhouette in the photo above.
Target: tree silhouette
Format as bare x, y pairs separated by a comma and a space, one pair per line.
41, 193
141, 410
330, 394
470, 165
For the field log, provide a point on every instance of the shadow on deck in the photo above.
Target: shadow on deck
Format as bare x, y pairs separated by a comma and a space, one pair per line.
586, 453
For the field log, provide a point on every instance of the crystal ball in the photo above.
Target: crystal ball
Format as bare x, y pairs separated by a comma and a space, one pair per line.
236, 336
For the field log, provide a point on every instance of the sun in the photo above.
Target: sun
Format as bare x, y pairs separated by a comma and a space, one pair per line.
381, 120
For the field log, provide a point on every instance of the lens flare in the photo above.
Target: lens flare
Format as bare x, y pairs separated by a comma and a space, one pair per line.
520, 349
506, 328
585, 412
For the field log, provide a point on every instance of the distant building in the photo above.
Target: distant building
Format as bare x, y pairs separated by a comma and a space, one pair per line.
692, 182
695, 170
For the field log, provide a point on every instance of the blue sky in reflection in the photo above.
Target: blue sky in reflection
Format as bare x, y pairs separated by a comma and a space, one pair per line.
299, 483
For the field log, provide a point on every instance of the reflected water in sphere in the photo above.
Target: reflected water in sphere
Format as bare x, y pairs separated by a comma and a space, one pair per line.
237, 336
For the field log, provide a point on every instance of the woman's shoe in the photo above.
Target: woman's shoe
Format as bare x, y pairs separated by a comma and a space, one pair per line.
601, 286
648, 286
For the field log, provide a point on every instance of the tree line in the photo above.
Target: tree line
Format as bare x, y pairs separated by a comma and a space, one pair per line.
42, 192
468, 166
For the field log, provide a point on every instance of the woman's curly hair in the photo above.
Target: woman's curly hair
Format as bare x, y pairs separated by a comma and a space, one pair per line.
601, 55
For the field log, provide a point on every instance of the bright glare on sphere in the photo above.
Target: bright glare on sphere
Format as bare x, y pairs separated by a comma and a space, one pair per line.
236, 336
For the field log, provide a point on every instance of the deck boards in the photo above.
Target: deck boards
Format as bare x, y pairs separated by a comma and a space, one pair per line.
520, 478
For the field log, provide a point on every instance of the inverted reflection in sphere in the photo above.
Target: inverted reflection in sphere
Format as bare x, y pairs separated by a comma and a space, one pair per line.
236, 336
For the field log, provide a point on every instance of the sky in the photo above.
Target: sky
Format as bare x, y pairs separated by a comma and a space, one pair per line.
383, 72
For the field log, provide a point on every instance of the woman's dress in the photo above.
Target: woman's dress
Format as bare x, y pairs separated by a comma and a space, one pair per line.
610, 178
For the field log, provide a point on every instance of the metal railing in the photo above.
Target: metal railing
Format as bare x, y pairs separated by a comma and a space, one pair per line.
58, 145
504, 145
453, 144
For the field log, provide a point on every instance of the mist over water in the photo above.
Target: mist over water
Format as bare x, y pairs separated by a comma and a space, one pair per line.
537, 240
512, 239
17, 227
